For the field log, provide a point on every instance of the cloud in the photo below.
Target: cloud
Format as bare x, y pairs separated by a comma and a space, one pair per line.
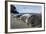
28, 8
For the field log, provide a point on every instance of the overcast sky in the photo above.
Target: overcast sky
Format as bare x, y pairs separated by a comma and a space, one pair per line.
28, 8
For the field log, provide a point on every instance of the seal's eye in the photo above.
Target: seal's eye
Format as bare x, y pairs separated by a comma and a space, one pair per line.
31, 16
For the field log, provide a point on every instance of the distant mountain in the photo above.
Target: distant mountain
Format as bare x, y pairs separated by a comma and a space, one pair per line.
26, 15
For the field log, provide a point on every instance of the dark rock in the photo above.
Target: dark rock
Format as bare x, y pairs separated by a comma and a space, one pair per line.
13, 10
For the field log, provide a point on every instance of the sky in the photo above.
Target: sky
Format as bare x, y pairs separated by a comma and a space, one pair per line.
28, 8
